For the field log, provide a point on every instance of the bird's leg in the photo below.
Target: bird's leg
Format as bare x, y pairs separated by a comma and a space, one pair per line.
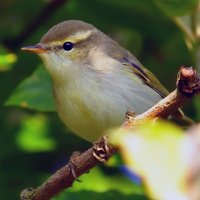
130, 115
102, 150
72, 166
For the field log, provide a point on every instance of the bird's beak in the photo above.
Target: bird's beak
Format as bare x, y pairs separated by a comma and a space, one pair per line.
38, 48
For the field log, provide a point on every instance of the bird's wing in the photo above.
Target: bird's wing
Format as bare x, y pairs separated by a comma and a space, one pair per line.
149, 78
146, 76
131, 62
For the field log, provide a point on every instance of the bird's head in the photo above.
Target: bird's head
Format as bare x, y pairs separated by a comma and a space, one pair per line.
66, 44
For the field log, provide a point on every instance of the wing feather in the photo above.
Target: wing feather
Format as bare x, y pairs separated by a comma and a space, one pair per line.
146, 76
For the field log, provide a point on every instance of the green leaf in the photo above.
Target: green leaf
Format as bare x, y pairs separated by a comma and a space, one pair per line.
103, 183
177, 7
33, 135
34, 92
7, 59
85, 195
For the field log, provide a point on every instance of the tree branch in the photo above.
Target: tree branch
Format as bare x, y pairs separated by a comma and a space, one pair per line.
188, 85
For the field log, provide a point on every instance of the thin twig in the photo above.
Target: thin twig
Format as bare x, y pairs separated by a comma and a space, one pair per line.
185, 28
195, 17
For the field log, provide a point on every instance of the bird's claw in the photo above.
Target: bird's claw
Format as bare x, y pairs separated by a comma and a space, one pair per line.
101, 150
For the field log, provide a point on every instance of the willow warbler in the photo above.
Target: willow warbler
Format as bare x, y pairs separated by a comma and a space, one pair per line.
95, 80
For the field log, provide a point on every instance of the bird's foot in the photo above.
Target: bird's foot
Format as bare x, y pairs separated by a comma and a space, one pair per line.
72, 166
101, 149
130, 115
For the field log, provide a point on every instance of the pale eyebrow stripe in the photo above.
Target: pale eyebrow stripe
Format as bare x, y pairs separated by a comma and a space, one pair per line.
75, 38
82, 35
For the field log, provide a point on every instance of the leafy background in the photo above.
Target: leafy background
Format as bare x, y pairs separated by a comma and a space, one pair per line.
33, 141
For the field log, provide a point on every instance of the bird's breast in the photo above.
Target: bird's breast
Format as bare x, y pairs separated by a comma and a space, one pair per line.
85, 111
92, 104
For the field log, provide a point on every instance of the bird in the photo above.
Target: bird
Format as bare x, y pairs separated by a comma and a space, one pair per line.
95, 80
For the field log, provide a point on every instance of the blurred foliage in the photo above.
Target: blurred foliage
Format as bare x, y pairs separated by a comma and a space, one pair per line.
177, 7
6, 61
113, 194
33, 134
33, 145
162, 155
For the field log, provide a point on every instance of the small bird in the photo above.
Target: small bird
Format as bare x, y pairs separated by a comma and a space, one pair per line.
95, 80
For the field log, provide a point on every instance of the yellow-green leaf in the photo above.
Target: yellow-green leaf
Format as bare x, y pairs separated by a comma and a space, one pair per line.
161, 154
33, 134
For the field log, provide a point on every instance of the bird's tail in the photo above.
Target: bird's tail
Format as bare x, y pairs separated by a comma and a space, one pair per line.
181, 119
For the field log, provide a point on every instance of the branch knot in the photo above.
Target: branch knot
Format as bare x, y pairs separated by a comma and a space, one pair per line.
188, 81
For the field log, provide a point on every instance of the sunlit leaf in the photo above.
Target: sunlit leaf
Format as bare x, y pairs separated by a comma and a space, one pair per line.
161, 154
177, 7
86, 195
7, 59
103, 183
34, 92
33, 135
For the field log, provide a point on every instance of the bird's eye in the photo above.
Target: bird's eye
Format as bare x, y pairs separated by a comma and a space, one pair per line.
67, 46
